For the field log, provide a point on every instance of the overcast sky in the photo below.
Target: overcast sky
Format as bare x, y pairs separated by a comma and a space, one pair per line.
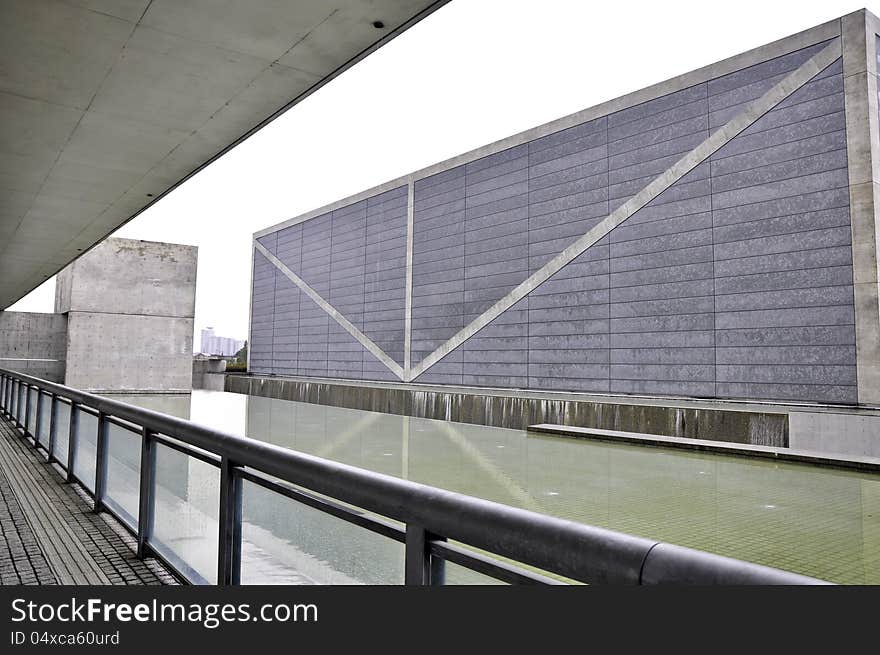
471, 73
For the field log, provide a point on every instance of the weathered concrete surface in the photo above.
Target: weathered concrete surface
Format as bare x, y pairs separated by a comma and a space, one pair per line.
106, 106
848, 433
129, 352
130, 307
518, 411
209, 374
34, 343
129, 276
859, 33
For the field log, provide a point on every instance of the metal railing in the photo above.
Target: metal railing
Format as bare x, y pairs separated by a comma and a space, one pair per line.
505, 543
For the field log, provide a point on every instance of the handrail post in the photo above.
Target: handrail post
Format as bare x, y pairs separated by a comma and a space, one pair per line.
101, 461
421, 568
4, 387
38, 418
145, 496
53, 427
229, 537
71, 439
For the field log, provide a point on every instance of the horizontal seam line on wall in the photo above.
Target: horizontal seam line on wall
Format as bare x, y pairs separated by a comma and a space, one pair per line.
599, 130
735, 226
785, 252
814, 80
816, 156
798, 158
739, 206
787, 142
592, 176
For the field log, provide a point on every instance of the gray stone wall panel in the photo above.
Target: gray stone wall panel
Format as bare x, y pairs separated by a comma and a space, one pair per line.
736, 281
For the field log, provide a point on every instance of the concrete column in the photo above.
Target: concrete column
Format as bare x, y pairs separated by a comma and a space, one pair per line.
859, 31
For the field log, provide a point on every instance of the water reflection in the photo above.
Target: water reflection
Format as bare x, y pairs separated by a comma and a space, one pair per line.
820, 522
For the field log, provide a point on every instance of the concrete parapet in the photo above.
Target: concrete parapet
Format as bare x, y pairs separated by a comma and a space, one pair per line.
519, 410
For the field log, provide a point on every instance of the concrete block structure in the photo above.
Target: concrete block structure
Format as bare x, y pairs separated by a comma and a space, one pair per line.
129, 307
209, 373
710, 236
34, 343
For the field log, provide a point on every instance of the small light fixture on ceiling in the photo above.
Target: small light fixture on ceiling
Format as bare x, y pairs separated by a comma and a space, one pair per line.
378, 24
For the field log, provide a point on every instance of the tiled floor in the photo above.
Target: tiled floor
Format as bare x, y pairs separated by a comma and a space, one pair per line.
50, 534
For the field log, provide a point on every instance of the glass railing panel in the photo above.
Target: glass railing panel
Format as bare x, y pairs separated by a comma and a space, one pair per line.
19, 402
186, 501
122, 487
287, 542
45, 418
460, 575
86, 442
31, 409
16, 395
62, 432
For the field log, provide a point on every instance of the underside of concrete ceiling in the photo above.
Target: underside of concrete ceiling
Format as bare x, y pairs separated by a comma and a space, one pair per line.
105, 105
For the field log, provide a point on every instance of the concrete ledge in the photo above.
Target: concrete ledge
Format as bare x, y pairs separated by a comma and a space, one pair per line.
869, 464
518, 409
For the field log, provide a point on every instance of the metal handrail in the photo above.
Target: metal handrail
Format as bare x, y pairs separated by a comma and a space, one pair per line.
431, 515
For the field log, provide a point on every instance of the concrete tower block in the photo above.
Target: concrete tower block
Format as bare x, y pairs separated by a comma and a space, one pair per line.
130, 306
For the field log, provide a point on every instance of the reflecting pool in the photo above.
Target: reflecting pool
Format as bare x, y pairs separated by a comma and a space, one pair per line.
820, 522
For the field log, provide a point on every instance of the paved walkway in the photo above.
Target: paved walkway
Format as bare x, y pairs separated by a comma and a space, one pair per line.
48, 532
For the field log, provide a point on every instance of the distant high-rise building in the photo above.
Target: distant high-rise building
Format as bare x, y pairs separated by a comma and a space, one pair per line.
216, 345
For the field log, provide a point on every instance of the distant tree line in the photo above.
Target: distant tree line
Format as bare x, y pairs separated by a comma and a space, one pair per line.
238, 364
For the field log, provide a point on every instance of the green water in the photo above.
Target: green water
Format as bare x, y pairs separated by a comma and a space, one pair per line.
816, 521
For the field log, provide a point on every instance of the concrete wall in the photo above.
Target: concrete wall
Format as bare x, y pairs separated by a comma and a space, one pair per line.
128, 352
835, 432
520, 410
34, 343
729, 276
209, 374
129, 276
130, 307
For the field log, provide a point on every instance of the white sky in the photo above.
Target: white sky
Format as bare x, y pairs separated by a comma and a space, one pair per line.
473, 72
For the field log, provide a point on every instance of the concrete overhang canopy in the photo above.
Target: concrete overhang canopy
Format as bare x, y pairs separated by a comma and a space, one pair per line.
105, 105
